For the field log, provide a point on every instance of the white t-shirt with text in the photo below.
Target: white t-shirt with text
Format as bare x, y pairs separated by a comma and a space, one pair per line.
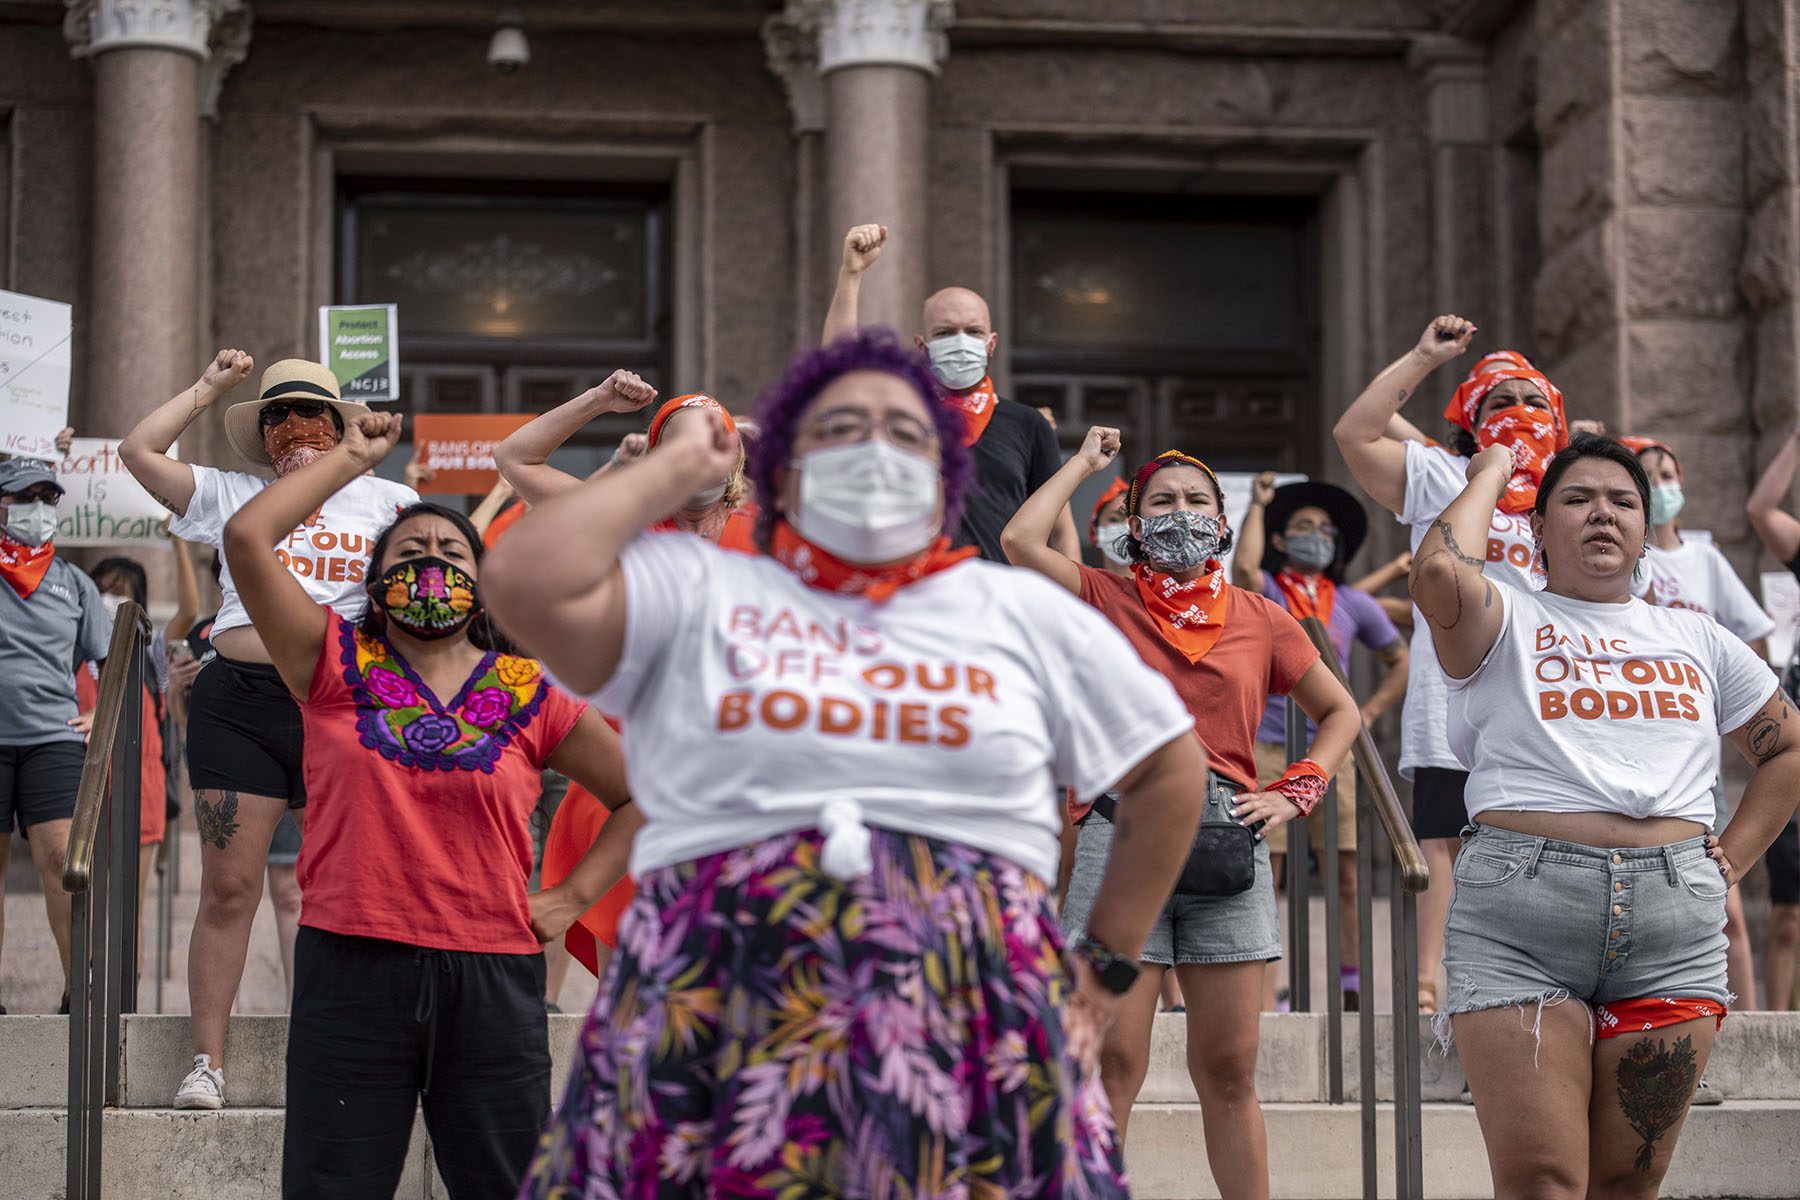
1587, 707
328, 553
957, 709
1695, 575
1434, 478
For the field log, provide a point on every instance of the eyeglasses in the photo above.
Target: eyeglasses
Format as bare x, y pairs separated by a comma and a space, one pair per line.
844, 425
37, 493
277, 411
1309, 527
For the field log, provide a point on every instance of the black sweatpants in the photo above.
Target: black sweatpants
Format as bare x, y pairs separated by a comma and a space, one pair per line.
379, 1027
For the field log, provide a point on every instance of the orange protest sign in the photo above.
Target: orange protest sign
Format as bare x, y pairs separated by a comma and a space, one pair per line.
459, 449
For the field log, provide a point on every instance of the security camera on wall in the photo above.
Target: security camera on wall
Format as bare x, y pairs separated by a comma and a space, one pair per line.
507, 49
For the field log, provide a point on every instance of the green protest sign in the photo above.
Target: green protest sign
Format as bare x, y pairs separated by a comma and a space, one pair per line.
359, 344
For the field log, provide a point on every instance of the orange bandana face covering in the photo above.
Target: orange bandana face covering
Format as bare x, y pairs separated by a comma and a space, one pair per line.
300, 440
977, 405
23, 566
1190, 616
1308, 595
1532, 437
823, 570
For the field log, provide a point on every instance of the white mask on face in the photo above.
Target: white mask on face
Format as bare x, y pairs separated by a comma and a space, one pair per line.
958, 360
703, 499
1107, 538
33, 523
112, 603
868, 502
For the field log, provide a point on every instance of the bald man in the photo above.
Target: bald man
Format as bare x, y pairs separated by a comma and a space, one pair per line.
1015, 447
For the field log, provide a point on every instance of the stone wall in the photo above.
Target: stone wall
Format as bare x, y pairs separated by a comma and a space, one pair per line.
1770, 271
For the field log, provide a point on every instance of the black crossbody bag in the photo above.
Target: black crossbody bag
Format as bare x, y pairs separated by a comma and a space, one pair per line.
1222, 860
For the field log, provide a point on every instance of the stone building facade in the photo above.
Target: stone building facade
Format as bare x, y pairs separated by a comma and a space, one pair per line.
1206, 220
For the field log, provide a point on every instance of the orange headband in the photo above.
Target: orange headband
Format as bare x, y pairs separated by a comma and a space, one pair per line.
694, 400
1464, 406
1639, 445
1167, 458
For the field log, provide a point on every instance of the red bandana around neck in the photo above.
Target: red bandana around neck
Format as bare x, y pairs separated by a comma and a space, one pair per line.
823, 570
24, 566
1190, 616
1307, 595
977, 405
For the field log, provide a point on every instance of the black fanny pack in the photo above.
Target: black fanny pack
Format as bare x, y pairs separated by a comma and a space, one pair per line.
1222, 860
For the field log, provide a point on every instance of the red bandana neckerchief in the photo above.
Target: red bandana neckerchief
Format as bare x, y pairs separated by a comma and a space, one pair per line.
820, 569
977, 405
1178, 607
24, 566
1307, 595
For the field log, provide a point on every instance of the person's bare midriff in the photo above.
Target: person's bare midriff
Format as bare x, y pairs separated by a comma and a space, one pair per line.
1605, 830
241, 643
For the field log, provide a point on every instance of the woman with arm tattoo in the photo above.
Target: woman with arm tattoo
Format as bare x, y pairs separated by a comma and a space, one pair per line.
1585, 953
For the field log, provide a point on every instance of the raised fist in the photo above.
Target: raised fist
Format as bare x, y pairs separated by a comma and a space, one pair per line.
1444, 339
227, 369
862, 246
625, 391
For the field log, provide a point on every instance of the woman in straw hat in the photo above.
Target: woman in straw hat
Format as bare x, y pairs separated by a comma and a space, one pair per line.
244, 735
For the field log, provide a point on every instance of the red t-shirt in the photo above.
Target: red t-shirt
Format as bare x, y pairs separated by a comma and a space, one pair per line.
1261, 652
417, 814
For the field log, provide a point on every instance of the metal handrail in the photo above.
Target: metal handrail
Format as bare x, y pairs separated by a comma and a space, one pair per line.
103, 903
1408, 876
1413, 871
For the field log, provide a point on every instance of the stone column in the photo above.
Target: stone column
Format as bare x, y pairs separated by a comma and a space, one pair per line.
1640, 320
1770, 274
877, 59
154, 71
1460, 137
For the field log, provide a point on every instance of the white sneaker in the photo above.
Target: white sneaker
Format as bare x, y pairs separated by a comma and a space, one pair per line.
204, 1086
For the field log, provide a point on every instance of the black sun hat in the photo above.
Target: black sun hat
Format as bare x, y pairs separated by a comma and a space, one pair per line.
1345, 513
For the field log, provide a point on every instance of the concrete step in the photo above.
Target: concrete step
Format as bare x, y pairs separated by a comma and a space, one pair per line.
1746, 1150
1757, 1057
1742, 1149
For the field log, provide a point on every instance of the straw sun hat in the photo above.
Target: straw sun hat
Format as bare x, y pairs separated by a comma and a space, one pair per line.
290, 379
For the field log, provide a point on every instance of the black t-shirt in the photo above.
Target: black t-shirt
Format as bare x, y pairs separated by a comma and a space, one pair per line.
1015, 456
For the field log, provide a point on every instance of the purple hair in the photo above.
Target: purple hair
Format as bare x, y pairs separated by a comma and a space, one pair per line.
779, 411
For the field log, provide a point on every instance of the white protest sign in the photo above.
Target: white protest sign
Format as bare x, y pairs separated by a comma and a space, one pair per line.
34, 374
102, 504
1781, 600
1236, 486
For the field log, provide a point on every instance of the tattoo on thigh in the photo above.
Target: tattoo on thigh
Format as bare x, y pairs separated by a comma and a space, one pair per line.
217, 821
1655, 1085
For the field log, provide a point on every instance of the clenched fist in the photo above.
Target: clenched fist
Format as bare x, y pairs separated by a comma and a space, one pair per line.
227, 369
862, 246
624, 392
1444, 339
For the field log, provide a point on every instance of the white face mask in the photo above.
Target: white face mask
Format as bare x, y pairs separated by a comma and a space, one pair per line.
1107, 538
33, 523
868, 502
703, 500
112, 603
959, 360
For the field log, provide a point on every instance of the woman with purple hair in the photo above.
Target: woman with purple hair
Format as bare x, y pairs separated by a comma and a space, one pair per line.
843, 972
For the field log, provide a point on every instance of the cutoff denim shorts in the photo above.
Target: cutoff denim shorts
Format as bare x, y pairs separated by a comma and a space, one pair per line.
1190, 929
1534, 921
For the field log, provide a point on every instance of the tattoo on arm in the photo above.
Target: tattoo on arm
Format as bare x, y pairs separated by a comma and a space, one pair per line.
216, 819
1764, 733
1656, 1083
1402, 397
165, 502
1443, 527
1487, 601
1444, 612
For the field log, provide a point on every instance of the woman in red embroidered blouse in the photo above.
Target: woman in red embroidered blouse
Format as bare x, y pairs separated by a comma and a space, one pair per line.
418, 969
1226, 650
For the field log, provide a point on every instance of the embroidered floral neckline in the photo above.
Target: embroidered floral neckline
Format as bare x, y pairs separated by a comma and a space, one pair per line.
398, 716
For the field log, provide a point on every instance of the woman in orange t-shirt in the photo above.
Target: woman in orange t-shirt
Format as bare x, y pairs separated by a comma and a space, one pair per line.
419, 972
1226, 650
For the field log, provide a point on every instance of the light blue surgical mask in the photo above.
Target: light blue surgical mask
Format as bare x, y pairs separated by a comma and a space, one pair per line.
33, 523
958, 360
1312, 551
1666, 500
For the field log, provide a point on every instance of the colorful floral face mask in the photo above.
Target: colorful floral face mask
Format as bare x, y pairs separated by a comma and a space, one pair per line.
427, 597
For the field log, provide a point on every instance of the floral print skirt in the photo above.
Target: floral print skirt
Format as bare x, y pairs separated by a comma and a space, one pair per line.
766, 1030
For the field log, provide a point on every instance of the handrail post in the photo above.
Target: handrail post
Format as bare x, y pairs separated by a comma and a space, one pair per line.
1299, 902
103, 902
1334, 992
1365, 1013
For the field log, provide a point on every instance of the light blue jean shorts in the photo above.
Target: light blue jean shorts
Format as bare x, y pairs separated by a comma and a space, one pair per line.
1190, 929
1537, 921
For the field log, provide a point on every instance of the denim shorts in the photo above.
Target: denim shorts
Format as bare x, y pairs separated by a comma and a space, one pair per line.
1533, 920
1190, 929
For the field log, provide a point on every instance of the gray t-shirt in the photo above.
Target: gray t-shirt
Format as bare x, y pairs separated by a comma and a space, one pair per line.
42, 638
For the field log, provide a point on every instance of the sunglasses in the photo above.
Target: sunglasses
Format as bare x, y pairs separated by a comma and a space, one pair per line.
277, 411
40, 493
